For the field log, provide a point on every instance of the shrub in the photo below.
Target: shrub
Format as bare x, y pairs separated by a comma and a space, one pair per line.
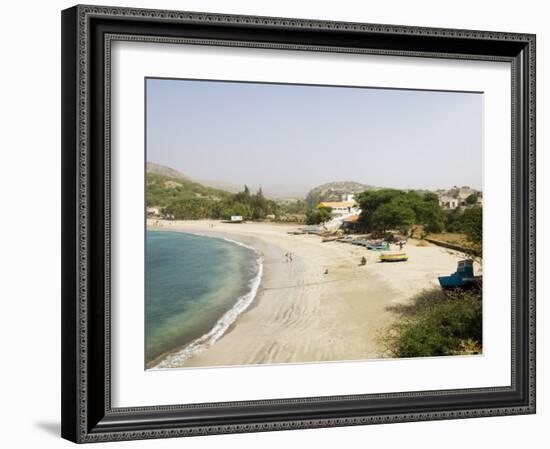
317, 215
437, 323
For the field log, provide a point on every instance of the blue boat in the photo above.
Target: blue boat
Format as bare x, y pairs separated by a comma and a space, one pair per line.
379, 246
463, 278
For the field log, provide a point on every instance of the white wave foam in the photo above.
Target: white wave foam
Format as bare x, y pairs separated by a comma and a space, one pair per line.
175, 360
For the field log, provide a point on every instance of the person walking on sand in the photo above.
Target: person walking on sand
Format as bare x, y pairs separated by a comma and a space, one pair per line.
401, 244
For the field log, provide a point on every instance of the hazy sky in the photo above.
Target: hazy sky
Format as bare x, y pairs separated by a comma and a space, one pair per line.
268, 134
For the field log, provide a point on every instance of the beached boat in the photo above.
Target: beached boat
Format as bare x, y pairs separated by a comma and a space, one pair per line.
394, 257
463, 278
378, 246
360, 242
313, 229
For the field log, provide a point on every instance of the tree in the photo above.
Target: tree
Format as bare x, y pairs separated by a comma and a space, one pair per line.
393, 215
259, 205
242, 197
296, 207
473, 224
454, 221
431, 197
240, 209
431, 216
192, 209
408, 208
317, 215
472, 199
371, 200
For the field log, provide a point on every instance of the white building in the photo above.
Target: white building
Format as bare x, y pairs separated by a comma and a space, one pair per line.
448, 202
456, 197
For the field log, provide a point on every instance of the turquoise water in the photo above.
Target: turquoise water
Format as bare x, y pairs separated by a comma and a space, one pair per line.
195, 287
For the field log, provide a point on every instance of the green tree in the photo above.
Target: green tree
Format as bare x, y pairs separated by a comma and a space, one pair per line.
431, 197
191, 209
407, 208
473, 224
371, 200
431, 216
296, 207
237, 209
259, 205
472, 199
393, 215
317, 215
454, 221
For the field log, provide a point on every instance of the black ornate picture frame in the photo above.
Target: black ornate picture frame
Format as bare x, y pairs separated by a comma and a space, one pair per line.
87, 34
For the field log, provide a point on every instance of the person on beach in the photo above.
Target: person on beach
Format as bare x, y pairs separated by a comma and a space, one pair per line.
401, 244
363, 260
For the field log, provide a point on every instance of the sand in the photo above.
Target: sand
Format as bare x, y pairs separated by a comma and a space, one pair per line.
302, 314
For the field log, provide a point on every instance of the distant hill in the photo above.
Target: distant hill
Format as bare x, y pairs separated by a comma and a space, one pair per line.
333, 191
163, 190
163, 170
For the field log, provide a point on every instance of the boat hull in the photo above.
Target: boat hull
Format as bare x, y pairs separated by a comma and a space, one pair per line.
393, 258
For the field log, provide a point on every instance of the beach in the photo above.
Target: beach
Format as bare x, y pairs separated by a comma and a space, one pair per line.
321, 306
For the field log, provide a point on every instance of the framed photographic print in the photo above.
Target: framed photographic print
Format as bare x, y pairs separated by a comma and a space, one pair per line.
275, 223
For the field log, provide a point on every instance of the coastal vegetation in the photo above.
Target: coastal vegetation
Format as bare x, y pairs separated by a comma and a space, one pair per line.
386, 209
317, 215
473, 223
463, 228
248, 205
467, 221
184, 199
436, 323
163, 191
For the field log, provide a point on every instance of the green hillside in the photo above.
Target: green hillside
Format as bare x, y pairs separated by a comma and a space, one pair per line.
164, 190
185, 199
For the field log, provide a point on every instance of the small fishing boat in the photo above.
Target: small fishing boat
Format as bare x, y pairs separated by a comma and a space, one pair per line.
463, 278
378, 246
394, 257
360, 242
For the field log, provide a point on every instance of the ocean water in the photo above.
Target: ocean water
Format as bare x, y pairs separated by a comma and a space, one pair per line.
196, 286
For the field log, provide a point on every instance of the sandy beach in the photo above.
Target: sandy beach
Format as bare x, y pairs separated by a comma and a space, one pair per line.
323, 306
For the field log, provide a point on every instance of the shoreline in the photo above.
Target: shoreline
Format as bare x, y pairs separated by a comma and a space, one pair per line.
223, 325
321, 307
